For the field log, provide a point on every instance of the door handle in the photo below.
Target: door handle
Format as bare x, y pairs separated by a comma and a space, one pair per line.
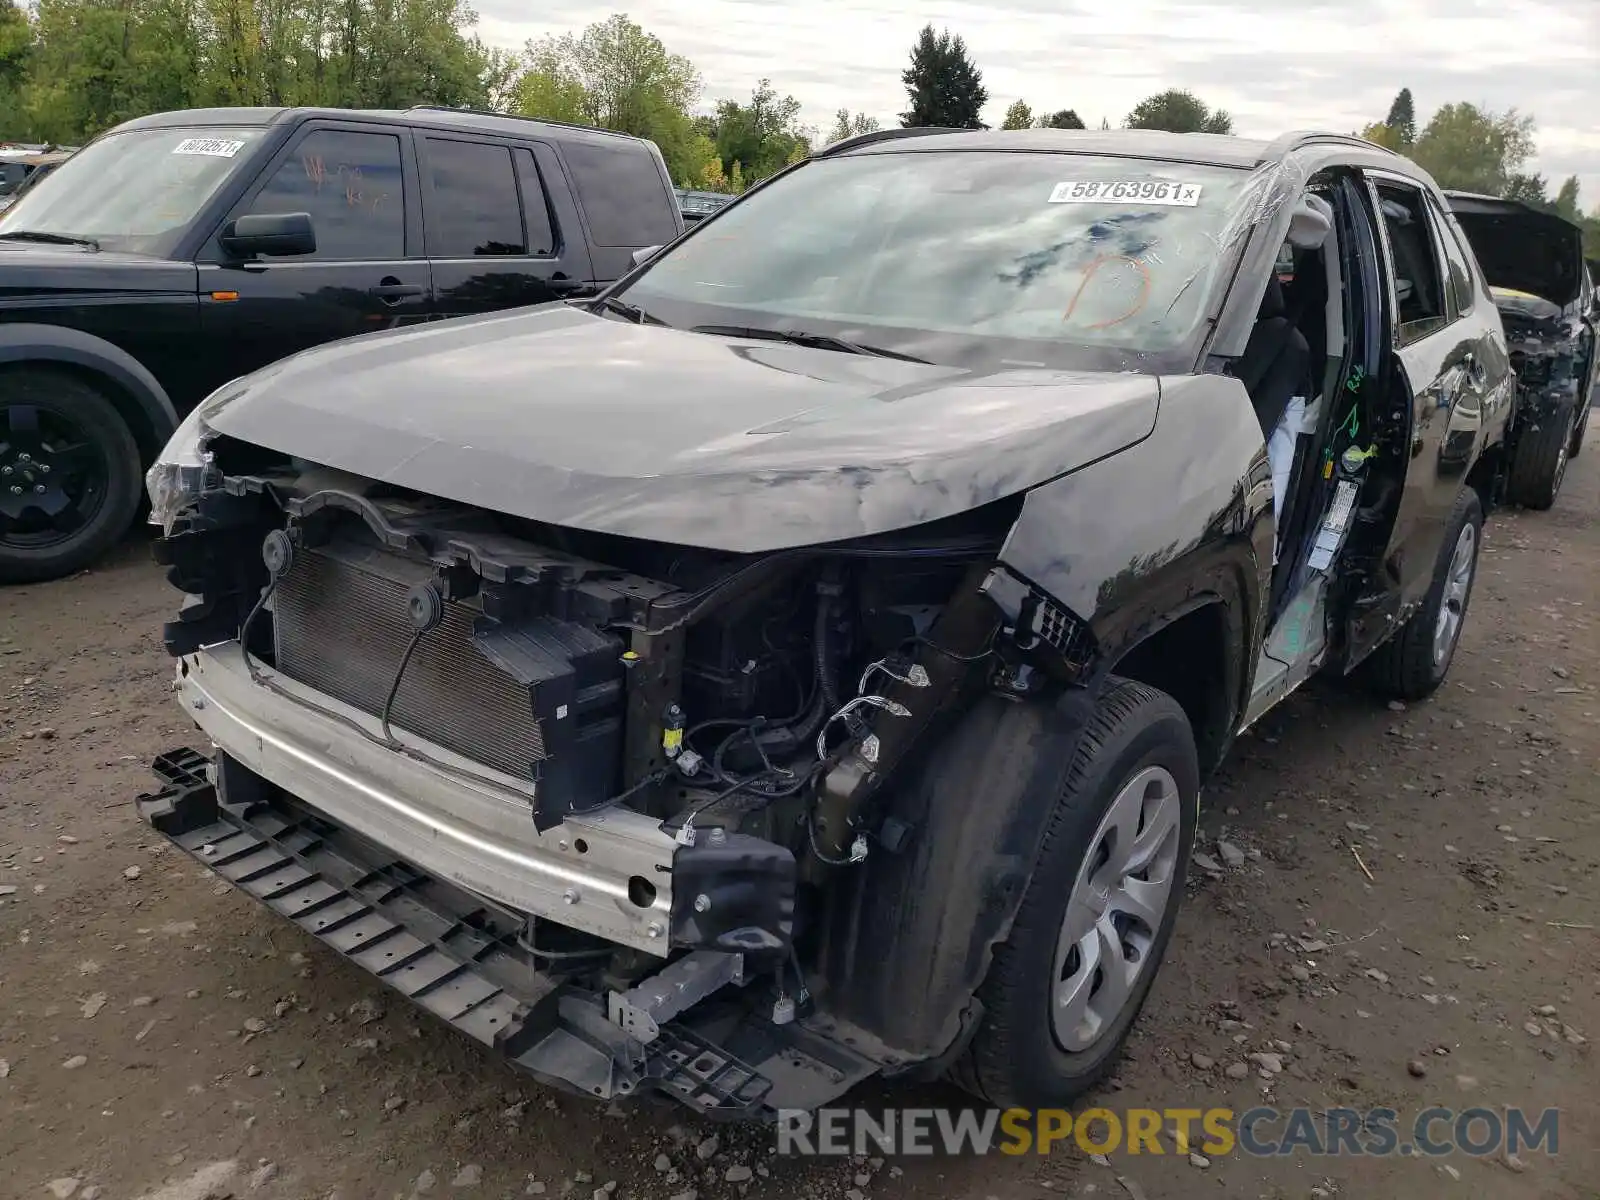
566, 287
392, 290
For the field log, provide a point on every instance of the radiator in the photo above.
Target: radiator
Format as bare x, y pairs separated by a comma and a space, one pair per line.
340, 627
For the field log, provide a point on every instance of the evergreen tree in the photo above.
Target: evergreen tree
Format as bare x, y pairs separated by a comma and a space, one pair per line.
944, 87
1402, 118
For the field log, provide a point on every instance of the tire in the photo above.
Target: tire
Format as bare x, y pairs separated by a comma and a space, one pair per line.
1539, 464
1016, 1057
1415, 660
61, 442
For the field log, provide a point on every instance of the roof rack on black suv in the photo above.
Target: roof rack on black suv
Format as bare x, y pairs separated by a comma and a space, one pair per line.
278, 229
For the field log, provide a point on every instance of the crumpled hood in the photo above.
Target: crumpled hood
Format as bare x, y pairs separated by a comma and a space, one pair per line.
1522, 248
557, 415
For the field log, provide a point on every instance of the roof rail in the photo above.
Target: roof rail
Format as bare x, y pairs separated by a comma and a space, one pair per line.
1281, 147
881, 135
489, 112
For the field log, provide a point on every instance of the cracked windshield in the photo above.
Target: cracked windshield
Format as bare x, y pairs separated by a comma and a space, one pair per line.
1015, 256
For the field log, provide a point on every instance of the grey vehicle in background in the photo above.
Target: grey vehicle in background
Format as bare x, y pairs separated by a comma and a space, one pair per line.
19, 172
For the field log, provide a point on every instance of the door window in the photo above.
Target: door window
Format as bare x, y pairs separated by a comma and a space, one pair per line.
353, 186
535, 206
622, 193
473, 208
1458, 278
1418, 277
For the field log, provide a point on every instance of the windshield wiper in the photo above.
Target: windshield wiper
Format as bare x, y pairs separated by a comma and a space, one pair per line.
632, 311
53, 239
801, 337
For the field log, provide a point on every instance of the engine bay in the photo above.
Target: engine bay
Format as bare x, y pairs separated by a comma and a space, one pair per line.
756, 706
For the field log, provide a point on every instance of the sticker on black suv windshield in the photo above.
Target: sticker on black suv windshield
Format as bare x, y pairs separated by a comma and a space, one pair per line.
1130, 191
210, 147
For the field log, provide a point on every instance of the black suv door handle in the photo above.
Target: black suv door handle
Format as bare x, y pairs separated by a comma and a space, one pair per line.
392, 289
566, 287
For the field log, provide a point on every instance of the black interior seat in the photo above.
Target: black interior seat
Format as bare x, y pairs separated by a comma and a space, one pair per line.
1276, 362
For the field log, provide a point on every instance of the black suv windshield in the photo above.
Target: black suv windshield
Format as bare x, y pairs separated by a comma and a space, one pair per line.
135, 192
966, 256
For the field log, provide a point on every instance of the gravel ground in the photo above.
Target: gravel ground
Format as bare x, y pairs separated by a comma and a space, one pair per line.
161, 1037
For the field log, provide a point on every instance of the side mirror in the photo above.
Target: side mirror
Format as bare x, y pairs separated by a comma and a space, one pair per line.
272, 235
644, 254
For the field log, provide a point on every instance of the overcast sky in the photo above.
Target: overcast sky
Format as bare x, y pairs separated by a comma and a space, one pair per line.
1275, 66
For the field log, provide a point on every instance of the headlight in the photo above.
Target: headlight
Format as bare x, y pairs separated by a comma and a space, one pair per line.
174, 482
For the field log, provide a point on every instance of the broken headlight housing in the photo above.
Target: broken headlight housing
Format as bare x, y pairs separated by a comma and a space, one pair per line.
174, 481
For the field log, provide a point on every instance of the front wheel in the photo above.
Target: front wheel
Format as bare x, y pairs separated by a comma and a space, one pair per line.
69, 474
1064, 989
1414, 661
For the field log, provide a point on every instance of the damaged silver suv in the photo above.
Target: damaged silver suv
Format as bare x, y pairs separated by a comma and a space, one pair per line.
801, 663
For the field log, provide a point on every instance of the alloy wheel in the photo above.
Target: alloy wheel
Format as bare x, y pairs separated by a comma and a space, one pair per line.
53, 477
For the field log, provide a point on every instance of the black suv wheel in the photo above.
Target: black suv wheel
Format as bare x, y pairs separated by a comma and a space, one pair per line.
1539, 463
69, 474
1064, 989
1414, 661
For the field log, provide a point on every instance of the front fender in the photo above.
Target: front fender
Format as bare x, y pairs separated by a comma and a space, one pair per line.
153, 417
1126, 544
1129, 540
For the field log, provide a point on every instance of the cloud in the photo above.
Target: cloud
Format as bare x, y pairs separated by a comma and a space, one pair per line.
1291, 64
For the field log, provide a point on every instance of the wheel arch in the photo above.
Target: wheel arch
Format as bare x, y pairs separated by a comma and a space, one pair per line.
130, 387
1196, 655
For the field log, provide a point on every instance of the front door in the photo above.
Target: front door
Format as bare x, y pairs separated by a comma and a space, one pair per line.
358, 183
494, 238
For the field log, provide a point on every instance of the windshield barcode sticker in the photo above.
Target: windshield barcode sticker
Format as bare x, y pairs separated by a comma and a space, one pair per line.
1147, 191
210, 147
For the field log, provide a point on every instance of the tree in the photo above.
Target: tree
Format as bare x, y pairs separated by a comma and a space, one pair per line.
1065, 118
1474, 149
846, 125
944, 87
1018, 116
1178, 111
617, 76
1402, 119
1566, 201
760, 136
1385, 135
88, 64
1528, 188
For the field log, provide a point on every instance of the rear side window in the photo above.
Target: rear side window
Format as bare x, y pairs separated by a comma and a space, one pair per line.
353, 187
535, 206
1459, 282
622, 193
473, 208
1418, 278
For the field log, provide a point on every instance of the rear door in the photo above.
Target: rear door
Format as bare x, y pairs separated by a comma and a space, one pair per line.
494, 235
358, 183
1451, 371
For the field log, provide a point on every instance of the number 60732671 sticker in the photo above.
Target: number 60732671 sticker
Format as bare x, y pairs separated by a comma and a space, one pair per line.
1130, 191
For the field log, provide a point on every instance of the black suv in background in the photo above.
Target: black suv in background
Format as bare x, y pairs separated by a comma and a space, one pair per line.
182, 250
